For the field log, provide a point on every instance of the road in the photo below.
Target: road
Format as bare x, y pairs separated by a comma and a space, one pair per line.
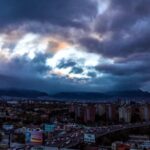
103, 131
75, 136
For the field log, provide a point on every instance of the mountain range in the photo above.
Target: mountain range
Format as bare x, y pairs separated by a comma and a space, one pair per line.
22, 93
134, 94
131, 94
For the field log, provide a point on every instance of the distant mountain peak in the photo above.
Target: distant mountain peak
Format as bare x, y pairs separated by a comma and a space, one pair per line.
133, 94
22, 93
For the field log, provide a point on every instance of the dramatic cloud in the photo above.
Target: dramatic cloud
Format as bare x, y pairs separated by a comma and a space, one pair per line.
57, 12
72, 45
73, 63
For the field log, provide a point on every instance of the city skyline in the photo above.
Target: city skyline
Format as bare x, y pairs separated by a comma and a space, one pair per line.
75, 45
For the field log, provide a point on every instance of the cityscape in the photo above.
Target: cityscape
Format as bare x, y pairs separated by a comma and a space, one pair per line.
74, 74
51, 124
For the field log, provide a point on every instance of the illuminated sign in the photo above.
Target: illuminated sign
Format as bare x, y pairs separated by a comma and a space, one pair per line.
89, 138
49, 127
34, 137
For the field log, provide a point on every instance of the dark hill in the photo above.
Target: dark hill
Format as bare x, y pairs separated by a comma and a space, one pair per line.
133, 94
80, 95
22, 93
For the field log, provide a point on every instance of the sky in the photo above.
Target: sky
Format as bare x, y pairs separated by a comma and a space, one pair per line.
75, 45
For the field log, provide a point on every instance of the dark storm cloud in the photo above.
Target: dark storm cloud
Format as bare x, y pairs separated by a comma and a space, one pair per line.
76, 70
126, 24
28, 74
58, 12
125, 32
121, 15
92, 74
118, 82
66, 63
70, 63
126, 69
120, 45
124, 36
130, 73
50, 85
23, 67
